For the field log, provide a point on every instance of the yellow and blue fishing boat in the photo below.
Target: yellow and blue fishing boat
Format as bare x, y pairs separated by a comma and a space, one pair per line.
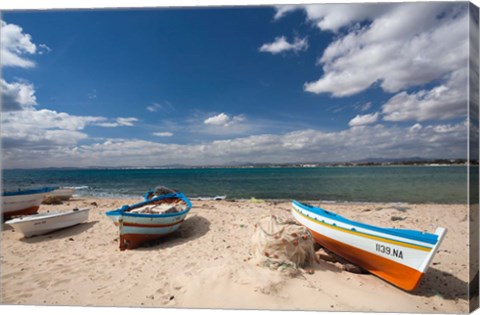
398, 256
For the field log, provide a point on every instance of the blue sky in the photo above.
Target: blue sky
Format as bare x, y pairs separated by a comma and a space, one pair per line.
203, 86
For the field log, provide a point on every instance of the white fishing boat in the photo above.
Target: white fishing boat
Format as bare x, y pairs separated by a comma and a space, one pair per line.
398, 256
22, 202
43, 223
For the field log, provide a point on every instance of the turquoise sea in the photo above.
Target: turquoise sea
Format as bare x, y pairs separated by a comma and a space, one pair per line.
411, 184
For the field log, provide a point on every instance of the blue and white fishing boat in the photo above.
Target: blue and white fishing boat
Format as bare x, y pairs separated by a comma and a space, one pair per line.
150, 219
23, 202
398, 256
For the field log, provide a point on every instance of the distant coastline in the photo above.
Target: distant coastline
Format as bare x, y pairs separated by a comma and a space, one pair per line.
366, 162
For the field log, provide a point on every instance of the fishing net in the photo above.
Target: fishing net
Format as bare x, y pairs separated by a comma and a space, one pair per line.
52, 200
162, 190
158, 191
282, 243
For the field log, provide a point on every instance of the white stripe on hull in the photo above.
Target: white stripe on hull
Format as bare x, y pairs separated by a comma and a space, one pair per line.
170, 221
148, 220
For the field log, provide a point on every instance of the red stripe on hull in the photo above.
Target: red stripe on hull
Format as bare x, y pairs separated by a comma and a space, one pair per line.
26, 211
132, 241
149, 225
400, 275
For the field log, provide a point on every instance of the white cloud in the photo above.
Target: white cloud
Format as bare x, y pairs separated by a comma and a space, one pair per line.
281, 44
430, 141
25, 129
46, 130
13, 122
365, 106
92, 95
224, 120
14, 45
42, 130
360, 120
220, 119
126, 121
448, 100
415, 127
155, 107
107, 124
397, 46
119, 122
43, 49
334, 16
17, 95
162, 134
282, 10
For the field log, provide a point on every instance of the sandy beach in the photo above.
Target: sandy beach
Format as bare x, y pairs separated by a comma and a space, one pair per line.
208, 263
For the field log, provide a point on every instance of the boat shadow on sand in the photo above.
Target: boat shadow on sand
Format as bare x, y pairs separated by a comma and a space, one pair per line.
67, 232
193, 227
440, 283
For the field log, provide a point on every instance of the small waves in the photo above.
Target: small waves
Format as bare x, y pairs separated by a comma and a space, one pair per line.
208, 198
77, 187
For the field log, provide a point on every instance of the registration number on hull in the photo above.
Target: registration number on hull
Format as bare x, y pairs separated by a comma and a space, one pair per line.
389, 251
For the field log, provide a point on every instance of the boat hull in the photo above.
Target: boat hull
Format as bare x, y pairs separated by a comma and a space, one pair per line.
137, 228
44, 223
21, 212
22, 202
402, 276
393, 255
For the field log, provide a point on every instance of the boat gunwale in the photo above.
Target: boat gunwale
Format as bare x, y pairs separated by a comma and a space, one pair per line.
123, 211
19, 192
425, 237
